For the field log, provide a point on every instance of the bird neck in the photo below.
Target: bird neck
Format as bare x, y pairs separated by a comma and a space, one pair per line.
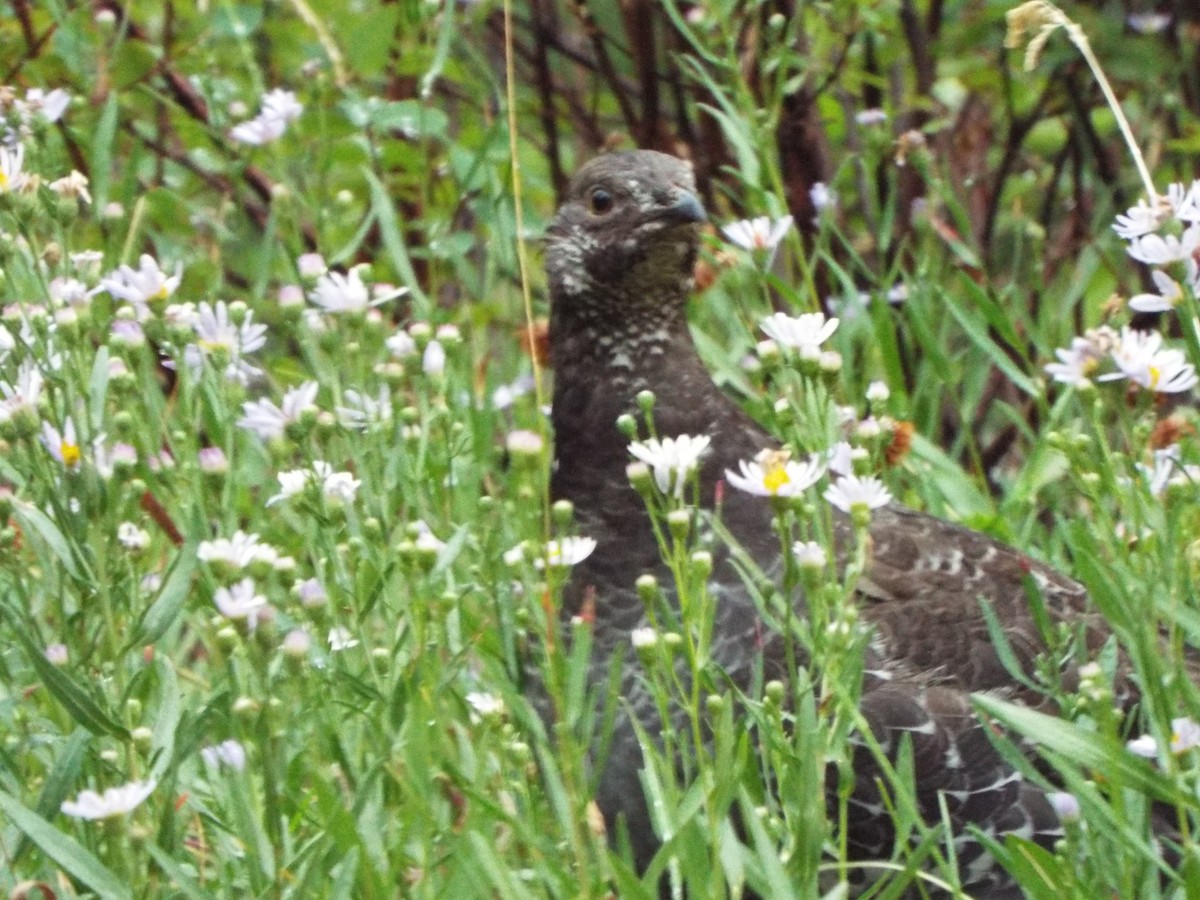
598, 373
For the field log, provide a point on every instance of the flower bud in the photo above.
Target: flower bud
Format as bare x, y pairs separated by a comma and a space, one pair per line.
647, 588
679, 521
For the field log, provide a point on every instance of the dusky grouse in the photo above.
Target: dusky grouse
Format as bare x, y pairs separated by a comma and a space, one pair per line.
620, 256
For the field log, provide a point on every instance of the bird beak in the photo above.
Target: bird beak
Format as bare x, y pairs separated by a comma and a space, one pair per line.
686, 208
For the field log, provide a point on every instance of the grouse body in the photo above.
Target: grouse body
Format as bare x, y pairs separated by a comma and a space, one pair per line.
620, 255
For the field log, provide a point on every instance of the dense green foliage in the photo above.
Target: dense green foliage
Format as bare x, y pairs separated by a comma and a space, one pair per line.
370, 672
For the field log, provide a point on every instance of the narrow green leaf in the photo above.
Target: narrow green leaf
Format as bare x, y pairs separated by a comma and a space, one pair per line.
166, 715
180, 879
78, 704
766, 856
1039, 872
977, 332
384, 210
161, 614
100, 175
1084, 748
59, 781
67, 852
448, 554
98, 387
33, 519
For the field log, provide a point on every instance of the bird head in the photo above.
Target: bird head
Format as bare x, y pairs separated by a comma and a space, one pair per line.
624, 240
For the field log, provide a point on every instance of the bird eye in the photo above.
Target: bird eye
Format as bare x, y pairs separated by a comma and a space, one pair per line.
601, 201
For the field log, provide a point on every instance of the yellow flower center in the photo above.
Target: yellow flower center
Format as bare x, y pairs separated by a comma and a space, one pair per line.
1155, 375
161, 294
775, 477
3, 181
70, 454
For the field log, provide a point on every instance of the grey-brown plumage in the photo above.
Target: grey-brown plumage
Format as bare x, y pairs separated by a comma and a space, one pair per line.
620, 256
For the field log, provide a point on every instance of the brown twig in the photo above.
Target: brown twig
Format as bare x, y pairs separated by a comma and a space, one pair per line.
542, 25
638, 16
604, 64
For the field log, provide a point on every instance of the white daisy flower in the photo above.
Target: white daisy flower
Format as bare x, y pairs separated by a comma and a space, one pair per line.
1185, 735
757, 234
279, 107
850, 492
1077, 363
1142, 359
401, 345
1169, 295
291, 483
426, 541
485, 705
230, 754
341, 639
340, 487
673, 460
809, 555
841, 458
1166, 459
804, 333
1148, 22
63, 445
1161, 250
872, 116
219, 337
72, 187
181, 316
68, 292
282, 104
1185, 201
259, 130
242, 601
822, 196
564, 553
12, 161
336, 487
22, 395
362, 411
113, 802
1141, 220
268, 421
235, 552
143, 285
131, 537
87, 262
774, 474
338, 293
49, 105
1145, 746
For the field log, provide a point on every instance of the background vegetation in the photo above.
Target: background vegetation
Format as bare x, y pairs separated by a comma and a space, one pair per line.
372, 682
